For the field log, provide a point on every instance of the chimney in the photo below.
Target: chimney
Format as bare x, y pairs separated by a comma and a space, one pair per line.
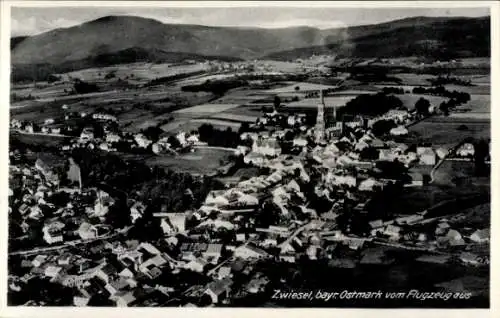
321, 97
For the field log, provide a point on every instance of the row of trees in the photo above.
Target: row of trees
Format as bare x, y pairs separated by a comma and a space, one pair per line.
371, 104
461, 97
219, 138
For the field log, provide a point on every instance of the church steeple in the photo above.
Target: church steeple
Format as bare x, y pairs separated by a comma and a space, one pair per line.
319, 129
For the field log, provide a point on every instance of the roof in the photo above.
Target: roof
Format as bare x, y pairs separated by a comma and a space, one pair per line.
219, 286
214, 248
482, 234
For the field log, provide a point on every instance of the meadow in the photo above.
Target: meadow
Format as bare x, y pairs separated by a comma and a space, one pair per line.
200, 161
443, 131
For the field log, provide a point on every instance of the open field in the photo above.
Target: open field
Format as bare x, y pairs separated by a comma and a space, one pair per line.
137, 71
479, 89
235, 117
303, 86
217, 122
459, 173
442, 131
478, 107
409, 100
414, 79
39, 140
206, 108
313, 102
200, 161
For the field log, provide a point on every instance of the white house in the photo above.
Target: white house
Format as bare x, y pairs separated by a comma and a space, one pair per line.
427, 156
399, 131
87, 231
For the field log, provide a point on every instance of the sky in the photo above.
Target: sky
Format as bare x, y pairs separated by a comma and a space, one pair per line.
31, 21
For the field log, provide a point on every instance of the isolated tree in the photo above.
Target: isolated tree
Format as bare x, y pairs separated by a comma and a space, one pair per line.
481, 151
174, 142
443, 107
422, 106
276, 102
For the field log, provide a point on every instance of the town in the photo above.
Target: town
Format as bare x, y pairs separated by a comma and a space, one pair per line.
256, 179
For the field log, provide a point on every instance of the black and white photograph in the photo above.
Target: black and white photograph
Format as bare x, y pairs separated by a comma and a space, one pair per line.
249, 156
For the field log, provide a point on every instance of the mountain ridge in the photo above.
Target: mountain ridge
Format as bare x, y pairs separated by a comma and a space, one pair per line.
113, 35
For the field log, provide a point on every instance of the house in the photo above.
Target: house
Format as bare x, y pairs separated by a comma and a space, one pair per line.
112, 137
369, 185
87, 231
213, 251
52, 233
50, 166
196, 265
39, 260
116, 286
466, 150
481, 236
387, 155
266, 147
454, 238
137, 210
81, 301
392, 231
300, 142
52, 271
254, 158
87, 134
142, 141
104, 117
469, 258
106, 272
247, 252
224, 271
340, 180
217, 198
123, 299
427, 157
399, 131
219, 289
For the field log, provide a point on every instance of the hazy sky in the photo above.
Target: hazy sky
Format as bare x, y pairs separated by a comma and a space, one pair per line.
29, 21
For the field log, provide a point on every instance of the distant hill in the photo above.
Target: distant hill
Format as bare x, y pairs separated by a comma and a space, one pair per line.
439, 38
123, 39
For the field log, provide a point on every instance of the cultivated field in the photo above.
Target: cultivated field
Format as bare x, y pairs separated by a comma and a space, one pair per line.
136, 71
330, 101
409, 100
303, 86
235, 117
414, 79
459, 173
443, 131
206, 108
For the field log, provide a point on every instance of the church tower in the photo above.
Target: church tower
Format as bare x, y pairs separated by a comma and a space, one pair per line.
319, 129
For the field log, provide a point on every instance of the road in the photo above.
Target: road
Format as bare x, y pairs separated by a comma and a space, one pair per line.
451, 151
294, 235
68, 244
215, 148
21, 132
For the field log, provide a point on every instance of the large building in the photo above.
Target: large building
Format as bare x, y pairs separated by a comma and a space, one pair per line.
319, 130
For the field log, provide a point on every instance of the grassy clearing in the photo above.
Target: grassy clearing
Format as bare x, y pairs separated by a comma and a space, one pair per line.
460, 174
203, 161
